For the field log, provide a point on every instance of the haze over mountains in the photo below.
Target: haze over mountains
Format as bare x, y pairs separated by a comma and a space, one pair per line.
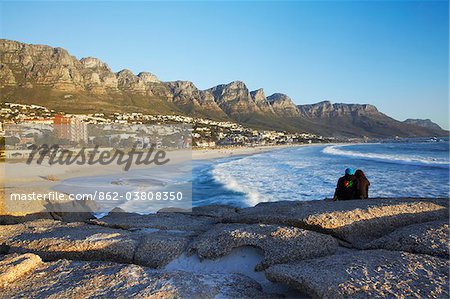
51, 77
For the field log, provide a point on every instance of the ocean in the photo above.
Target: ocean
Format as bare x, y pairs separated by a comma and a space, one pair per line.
413, 168
418, 168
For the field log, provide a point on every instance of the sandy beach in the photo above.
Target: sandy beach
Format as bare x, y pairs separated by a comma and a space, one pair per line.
43, 178
40, 173
216, 153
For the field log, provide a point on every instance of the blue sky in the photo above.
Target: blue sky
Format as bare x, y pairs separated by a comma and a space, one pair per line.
393, 54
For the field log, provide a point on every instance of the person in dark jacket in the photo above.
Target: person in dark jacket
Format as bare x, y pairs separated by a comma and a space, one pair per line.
362, 185
346, 186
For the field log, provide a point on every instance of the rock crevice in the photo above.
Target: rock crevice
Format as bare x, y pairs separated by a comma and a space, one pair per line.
398, 248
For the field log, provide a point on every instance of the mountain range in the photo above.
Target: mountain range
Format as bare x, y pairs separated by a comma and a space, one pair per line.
426, 123
51, 77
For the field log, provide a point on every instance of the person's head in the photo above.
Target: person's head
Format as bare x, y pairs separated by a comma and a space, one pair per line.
359, 174
349, 171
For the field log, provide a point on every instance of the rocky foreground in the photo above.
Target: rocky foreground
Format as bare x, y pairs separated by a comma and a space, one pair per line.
321, 249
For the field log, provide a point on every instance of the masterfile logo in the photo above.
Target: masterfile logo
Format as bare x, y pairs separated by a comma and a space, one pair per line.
96, 166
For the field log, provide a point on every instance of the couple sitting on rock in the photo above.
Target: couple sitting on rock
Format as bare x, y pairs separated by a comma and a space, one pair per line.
353, 185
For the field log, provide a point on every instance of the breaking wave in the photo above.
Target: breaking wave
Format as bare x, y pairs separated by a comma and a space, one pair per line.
338, 150
229, 176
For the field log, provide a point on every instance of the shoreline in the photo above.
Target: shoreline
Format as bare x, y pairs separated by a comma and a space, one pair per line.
44, 173
45, 178
217, 153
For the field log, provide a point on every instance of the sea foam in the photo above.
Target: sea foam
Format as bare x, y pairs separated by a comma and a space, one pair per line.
406, 159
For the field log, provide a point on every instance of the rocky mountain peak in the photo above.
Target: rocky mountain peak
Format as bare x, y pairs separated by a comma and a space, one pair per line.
324, 103
369, 108
186, 86
327, 109
130, 82
184, 93
258, 95
94, 63
236, 85
10, 45
278, 97
230, 91
425, 123
283, 105
192, 100
148, 77
234, 98
354, 107
126, 73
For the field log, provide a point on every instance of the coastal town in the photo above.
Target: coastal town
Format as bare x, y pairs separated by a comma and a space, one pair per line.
205, 133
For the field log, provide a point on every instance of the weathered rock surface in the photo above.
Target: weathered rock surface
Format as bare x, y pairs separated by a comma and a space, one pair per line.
15, 219
428, 238
48, 210
326, 109
367, 274
62, 216
15, 266
359, 119
216, 211
159, 248
192, 100
259, 97
98, 77
75, 279
280, 244
128, 81
426, 123
80, 241
355, 221
148, 77
80, 211
6, 76
283, 105
234, 98
299, 241
163, 221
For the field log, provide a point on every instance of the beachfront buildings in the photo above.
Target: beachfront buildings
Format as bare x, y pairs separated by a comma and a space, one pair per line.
206, 133
71, 128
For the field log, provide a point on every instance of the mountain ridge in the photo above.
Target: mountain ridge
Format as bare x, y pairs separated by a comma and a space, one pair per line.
427, 123
52, 77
